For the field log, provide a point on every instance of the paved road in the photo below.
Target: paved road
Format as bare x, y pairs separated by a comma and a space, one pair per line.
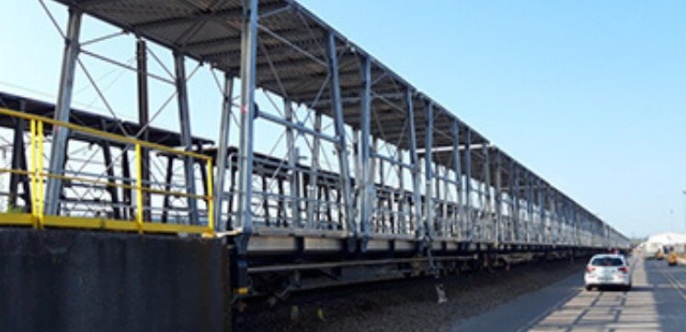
656, 303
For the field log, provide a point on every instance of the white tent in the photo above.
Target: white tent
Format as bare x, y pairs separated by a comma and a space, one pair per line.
656, 242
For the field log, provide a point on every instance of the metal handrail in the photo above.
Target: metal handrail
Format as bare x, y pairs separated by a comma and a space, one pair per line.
38, 177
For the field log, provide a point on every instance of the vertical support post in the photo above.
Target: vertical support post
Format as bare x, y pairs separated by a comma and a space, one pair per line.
313, 190
143, 119
223, 150
248, 69
541, 205
488, 198
210, 202
468, 185
342, 148
516, 224
402, 218
429, 205
139, 189
293, 156
416, 195
439, 202
166, 202
127, 181
186, 139
62, 110
41, 171
17, 154
367, 185
33, 173
498, 198
529, 206
457, 168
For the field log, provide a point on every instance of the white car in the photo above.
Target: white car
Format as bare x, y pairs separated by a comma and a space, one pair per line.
608, 270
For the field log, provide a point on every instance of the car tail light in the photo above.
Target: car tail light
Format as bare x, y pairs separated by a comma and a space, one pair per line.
624, 269
590, 269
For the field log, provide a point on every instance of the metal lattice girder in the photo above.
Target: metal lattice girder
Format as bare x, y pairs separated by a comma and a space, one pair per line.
283, 49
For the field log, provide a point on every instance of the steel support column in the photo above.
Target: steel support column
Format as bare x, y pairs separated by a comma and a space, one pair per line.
401, 203
364, 150
457, 168
529, 206
19, 163
313, 186
293, 156
414, 161
516, 216
429, 205
143, 119
248, 69
541, 206
342, 148
498, 198
488, 210
186, 139
60, 135
468, 185
222, 151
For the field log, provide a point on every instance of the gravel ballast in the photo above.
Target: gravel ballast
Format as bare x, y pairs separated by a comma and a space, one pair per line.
405, 305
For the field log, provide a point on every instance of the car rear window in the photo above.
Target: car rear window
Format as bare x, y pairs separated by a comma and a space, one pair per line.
607, 261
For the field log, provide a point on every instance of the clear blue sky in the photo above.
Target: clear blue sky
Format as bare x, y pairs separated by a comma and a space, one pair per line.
589, 94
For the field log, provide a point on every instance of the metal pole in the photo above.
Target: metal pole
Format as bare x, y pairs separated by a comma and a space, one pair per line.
292, 165
468, 182
223, 150
248, 69
542, 205
186, 139
17, 154
312, 199
529, 206
416, 195
498, 198
457, 167
428, 168
402, 218
516, 228
143, 119
367, 186
62, 109
337, 106
487, 191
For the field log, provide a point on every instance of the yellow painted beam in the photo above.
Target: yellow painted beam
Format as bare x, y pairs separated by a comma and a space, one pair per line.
18, 219
173, 228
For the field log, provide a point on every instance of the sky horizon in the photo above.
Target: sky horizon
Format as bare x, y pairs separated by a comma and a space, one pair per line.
589, 95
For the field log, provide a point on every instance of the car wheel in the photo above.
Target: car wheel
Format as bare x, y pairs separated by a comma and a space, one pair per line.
627, 288
588, 288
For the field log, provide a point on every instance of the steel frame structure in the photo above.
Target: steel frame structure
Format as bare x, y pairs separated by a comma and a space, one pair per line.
331, 152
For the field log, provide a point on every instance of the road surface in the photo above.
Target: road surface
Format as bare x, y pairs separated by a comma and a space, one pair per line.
657, 302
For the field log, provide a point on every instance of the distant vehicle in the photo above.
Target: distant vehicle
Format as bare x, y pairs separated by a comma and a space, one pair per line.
607, 270
659, 255
671, 255
672, 258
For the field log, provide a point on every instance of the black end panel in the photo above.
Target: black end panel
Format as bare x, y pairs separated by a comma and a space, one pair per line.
90, 281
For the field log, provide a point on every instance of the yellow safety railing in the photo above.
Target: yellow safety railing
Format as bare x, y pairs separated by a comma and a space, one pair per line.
38, 176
